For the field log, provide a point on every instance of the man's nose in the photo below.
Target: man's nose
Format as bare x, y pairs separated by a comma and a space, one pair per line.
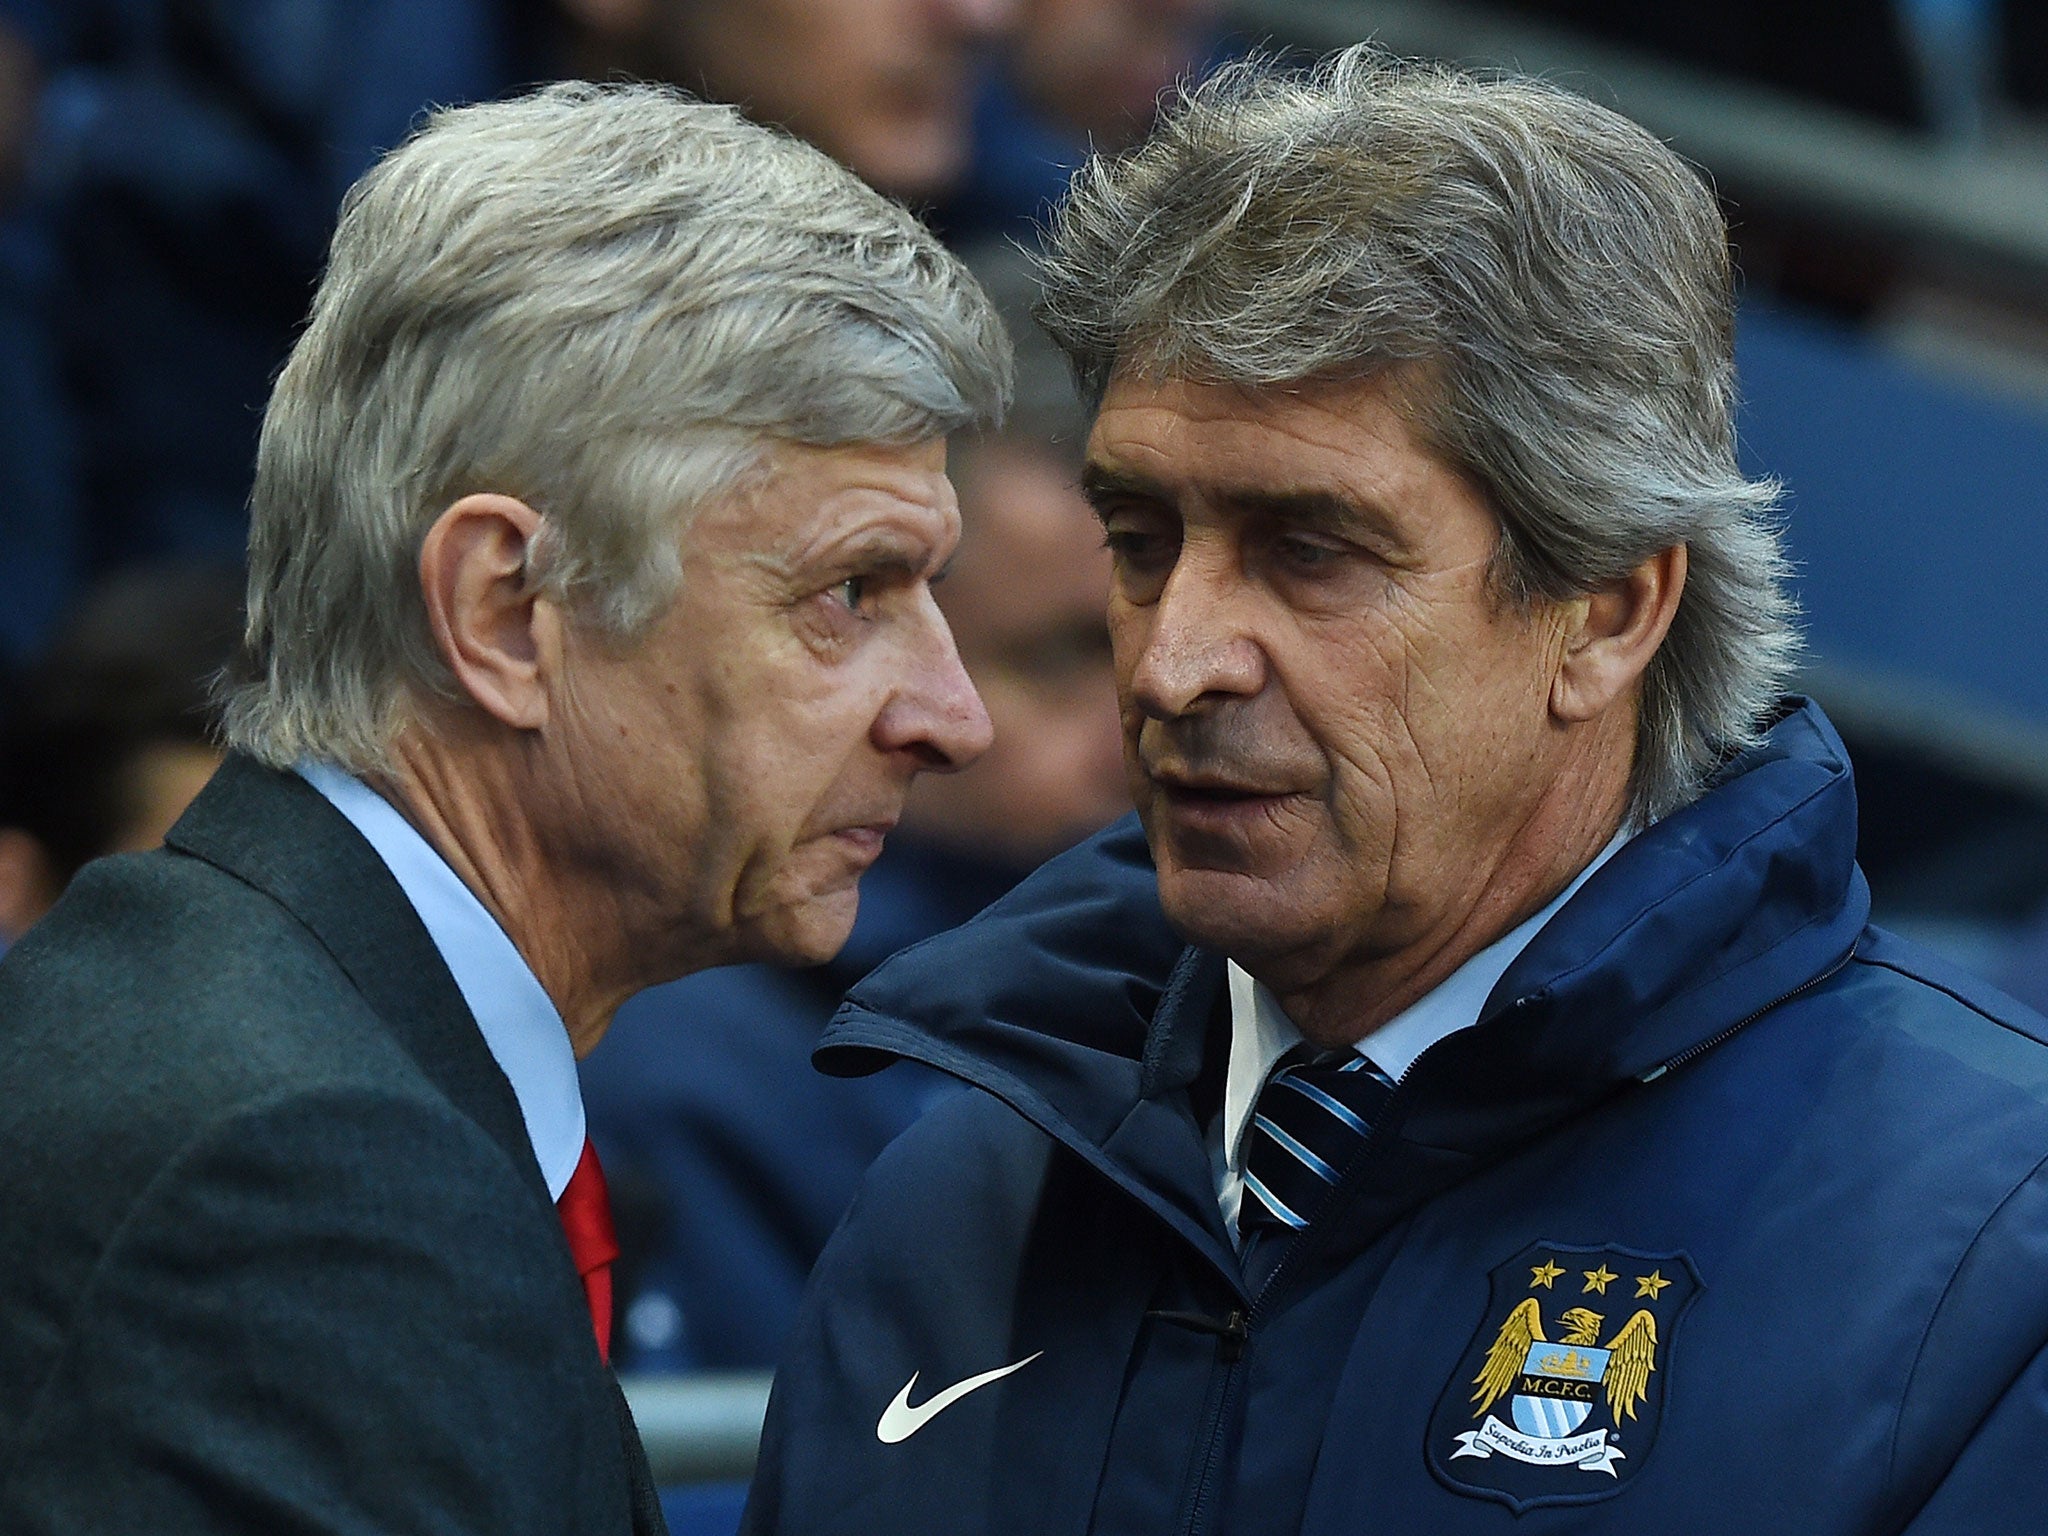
936, 717
1193, 647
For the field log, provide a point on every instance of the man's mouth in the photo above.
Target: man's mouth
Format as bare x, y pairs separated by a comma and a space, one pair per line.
1212, 794
1218, 802
1180, 782
867, 837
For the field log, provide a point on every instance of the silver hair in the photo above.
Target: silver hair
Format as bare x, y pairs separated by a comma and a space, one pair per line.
1552, 281
609, 302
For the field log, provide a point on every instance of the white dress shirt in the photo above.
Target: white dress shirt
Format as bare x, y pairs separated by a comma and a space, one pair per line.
1261, 1033
520, 1023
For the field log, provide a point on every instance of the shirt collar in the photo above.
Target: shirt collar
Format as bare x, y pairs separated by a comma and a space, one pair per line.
519, 1022
1261, 1033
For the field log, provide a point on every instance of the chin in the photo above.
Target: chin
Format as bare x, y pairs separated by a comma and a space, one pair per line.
1240, 915
810, 934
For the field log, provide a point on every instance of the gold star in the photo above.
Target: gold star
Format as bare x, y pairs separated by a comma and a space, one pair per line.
1652, 1285
1598, 1279
1543, 1274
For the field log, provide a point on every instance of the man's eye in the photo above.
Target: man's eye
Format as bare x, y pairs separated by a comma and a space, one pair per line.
850, 592
1137, 546
1307, 554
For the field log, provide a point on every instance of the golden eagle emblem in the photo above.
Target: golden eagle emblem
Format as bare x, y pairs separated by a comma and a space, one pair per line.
1561, 1388
1625, 1375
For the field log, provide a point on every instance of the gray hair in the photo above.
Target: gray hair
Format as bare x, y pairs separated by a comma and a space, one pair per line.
609, 302
1557, 282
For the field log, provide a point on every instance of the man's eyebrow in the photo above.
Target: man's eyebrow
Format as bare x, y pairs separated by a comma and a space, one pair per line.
1323, 510
1320, 510
868, 551
1101, 485
1316, 509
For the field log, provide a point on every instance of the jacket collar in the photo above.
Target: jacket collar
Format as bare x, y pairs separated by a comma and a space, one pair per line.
1697, 926
275, 832
1073, 1001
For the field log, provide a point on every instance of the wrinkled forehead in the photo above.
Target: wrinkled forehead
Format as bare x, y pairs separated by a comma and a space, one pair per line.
1262, 437
1340, 459
805, 505
1412, 389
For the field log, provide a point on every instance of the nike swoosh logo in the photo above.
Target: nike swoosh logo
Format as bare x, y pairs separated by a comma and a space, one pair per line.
900, 1421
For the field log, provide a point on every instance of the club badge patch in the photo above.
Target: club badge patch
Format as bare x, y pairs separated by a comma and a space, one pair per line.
1558, 1397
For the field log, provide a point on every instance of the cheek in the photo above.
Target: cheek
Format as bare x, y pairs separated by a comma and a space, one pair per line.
1503, 726
1356, 698
757, 763
821, 762
1467, 678
778, 780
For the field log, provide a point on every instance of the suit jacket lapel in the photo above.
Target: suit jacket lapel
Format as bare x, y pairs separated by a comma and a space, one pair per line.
277, 833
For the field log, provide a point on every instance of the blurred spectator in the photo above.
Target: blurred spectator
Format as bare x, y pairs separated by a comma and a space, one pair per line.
108, 739
884, 86
1078, 72
1851, 53
911, 93
38, 532
1025, 595
1097, 67
186, 163
722, 1211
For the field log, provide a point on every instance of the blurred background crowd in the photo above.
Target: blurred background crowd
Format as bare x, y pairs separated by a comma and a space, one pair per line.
170, 169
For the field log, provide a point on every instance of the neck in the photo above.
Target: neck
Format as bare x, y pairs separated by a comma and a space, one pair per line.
1559, 837
464, 792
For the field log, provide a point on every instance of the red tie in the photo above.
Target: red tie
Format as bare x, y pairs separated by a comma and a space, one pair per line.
586, 1212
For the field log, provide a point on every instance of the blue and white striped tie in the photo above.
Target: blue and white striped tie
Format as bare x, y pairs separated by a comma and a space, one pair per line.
1312, 1115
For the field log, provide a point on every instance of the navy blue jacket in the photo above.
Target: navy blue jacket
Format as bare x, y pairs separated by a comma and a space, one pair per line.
1728, 1216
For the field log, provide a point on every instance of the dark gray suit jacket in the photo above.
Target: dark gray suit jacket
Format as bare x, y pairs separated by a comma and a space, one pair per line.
275, 1255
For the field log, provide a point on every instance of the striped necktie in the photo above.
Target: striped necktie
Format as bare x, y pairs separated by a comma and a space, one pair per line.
1315, 1111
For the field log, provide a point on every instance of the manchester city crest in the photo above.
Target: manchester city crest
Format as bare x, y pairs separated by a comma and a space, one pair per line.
1558, 1398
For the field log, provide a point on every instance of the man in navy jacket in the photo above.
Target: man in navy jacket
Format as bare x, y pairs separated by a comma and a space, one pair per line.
1477, 1101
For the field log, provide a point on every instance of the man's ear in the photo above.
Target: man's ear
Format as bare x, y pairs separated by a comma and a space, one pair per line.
500, 637
1611, 634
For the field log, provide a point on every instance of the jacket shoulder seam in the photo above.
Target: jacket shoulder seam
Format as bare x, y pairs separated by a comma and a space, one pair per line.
1950, 993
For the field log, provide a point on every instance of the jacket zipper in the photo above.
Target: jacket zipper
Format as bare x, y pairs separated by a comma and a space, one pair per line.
1236, 1331
1234, 1338
1694, 1052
